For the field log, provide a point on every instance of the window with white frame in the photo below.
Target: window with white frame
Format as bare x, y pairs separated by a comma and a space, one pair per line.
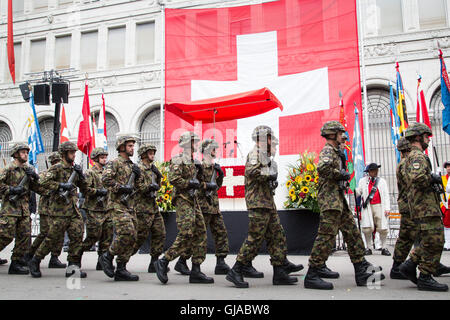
62, 52
389, 17
145, 42
432, 14
40, 5
88, 47
116, 47
18, 6
37, 55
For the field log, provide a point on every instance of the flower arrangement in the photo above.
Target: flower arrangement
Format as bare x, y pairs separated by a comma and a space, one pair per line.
302, 183
164, 197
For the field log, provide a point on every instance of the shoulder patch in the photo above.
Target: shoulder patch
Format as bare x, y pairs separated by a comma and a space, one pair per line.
416, 165
326, 159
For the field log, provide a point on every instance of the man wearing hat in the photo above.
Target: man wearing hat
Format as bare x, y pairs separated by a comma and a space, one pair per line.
375, 206
14, 213
99, 225
44, 222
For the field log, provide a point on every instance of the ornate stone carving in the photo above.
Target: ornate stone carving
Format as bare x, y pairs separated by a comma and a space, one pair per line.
380, 50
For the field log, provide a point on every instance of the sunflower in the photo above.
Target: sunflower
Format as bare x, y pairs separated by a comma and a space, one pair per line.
166, 197
308, 178
309, 167
164, 177
288, 183
292, 192
316, 179
298, 179
305, 190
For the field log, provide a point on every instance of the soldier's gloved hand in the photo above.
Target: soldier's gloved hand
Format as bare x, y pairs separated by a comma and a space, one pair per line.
29, 171
211, 186
156, 171
218, 169
273, 176
15, 190
194, 184
199, 166
153, 187
344, 175
274, 184
125, 189
136, 170
435, 178
66, 186
101, 192
77, 169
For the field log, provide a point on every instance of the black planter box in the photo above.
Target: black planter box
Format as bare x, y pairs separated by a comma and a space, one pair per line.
300, 227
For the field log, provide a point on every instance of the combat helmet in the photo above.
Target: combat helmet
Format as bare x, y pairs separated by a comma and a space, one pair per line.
98, 152
54, 156
331, 127
185, 139
67, 146
144, 148
417, 129
261, 131
209, 144
122, 140
403, 145
19, 146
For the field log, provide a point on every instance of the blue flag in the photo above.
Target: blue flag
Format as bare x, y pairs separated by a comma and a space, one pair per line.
395, 123
34, 134
445, 95
358, 154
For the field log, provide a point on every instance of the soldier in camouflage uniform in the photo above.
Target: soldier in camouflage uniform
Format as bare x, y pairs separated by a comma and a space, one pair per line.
425, 211
44, 222
116, 178
99, 225
191, 237
63, 211
264, 223
335, 215
15, 215
149, 219
211, 180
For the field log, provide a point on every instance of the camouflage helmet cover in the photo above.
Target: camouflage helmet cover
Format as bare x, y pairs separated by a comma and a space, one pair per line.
54, 156
403, 145
417, 129
19, 146
185, 139
144, 148
67, 146
98, 152
261, 131
331, 127
122, 140
209, 144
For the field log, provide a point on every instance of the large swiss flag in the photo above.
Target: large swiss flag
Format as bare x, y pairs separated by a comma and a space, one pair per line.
304, 51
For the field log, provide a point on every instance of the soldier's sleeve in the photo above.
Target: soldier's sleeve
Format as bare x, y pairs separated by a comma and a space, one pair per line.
253, 168
219, 180
4, 187
176, 176
48, 180
325, 166
418, 172
90, 189
142, 184
108, 180
202, 178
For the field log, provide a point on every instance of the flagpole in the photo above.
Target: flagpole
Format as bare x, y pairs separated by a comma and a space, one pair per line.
366, 129
162, 93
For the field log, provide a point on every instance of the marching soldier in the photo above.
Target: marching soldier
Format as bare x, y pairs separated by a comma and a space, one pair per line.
117, 178
424, 205
264, 223
149, 219
335, 215
61, 180
211, 180
191, 237
16, 181
44, 223
99, 225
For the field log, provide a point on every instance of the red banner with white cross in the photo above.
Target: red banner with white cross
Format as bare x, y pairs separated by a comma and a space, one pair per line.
233, 182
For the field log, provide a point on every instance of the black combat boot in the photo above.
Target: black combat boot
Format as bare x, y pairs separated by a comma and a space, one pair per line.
442, 269
197, 276
364, 270
122, 274
98, 267
181, 267
75, 268
106, 261
221, 266
248, 271
16, 268
313, 280
54, 263
161, 269
324, 272
395, 272
33, 266
151, 266
281, 277
28, 256
408, 270
427, 283
3, 261
290, 267
235, 276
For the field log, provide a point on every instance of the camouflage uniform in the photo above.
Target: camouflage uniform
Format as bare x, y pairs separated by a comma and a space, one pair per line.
99, 226
15, 218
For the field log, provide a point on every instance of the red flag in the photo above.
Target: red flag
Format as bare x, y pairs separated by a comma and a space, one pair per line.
84, 142
422, 111
11, 59
64, 133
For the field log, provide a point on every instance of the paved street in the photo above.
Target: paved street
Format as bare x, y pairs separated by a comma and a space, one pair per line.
53, 284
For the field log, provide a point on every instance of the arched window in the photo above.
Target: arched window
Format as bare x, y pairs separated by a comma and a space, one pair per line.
5, 138
150, 129
112, 128
440, 139
46, 128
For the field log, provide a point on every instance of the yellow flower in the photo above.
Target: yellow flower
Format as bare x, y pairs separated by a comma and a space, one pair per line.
298, 179
305, 190
166, 197
309, 167
288, 184
316, 179
164, 177
293, 197
308, 178
292, 192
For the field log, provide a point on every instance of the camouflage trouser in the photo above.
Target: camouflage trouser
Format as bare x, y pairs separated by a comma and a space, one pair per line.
58, 226
428, 254
331, 221
191, 237
406, 237
125, 237
99, 227
219, 233
264, 224
44, 227
150, 222
18, 227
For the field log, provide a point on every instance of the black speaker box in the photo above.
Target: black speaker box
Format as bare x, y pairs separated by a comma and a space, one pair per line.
42, 94
25, 90
60, 91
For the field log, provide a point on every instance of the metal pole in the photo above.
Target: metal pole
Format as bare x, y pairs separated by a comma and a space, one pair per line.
56, 127
162, 93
